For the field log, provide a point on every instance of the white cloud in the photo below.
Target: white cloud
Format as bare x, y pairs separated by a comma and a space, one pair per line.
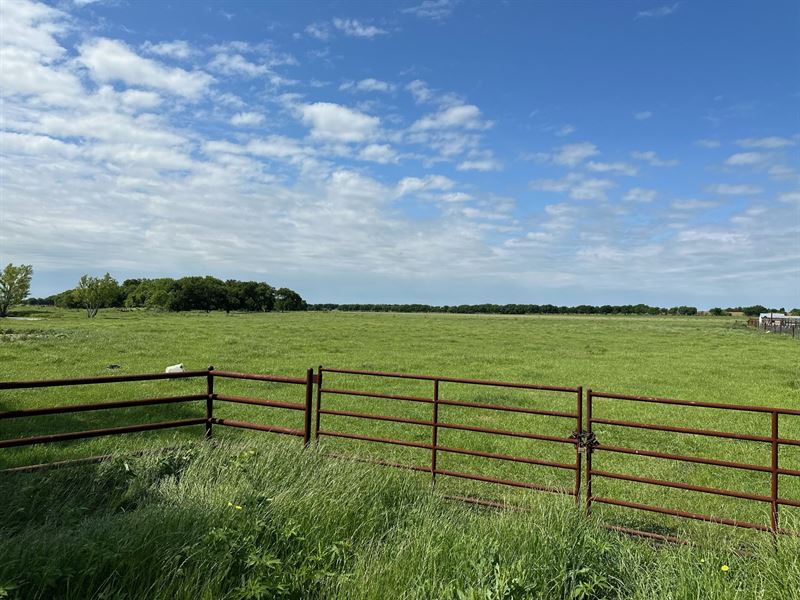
638, 194
278, 146
658, 12
35, 145
570, 155
706, 143
411, 185
693, 204
355, 28
236, 64
782, 172
367, 85
790, 198
178, 49
464, 116
733, 190
480, 164
622, 168
247, 119
746, 158
765, 142
139, 99
319, 31
33, 28
566, 130
334, 122
420, 90
379, 153
455, 197
642, 115
720, 238
112, 60
432, 9
576, 186
653, 160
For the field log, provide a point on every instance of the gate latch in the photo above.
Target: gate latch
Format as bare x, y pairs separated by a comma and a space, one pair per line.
585, 439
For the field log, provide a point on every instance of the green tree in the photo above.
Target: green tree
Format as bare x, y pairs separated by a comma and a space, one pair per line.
15, 285
286, 299
96, 292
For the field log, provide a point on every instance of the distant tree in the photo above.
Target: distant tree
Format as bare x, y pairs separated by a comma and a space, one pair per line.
94, 293
286, 299
717, 312
199, 293
754, 311
66, 299
15, 285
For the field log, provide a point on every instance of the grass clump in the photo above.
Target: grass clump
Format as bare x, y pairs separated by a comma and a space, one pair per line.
265, 520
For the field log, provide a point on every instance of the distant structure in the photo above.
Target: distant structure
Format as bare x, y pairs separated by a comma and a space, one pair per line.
779, 323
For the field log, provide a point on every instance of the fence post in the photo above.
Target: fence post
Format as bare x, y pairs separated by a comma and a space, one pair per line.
774, 490
307, 413
209, 401
319, 402
435, 432
578, 443
589, 449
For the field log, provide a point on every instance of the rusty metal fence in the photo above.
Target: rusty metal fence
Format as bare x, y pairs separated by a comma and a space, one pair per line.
435, 423
583, 439
209, 397
774, 469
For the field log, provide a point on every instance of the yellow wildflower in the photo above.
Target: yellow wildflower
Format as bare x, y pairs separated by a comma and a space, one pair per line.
724, 568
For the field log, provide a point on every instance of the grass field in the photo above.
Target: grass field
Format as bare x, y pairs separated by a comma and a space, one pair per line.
693, 358
266, 521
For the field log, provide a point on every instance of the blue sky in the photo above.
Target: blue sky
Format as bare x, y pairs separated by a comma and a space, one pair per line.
434, 151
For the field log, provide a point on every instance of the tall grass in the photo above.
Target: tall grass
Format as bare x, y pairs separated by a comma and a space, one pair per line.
266, 520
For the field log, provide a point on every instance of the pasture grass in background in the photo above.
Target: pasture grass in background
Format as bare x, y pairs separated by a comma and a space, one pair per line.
692, 358
266, 520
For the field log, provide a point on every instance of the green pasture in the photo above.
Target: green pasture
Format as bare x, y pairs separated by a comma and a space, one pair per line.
692, 358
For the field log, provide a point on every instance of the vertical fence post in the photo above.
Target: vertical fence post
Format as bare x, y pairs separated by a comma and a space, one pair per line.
578, 440
319, 402
589, 449
774, 490
209, 401
435, 431
307, 412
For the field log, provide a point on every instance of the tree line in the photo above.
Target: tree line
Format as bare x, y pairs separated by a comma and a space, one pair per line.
544, 309
187, 293
513, 309
209, 293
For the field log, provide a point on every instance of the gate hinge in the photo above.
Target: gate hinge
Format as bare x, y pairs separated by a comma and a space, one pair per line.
585, 439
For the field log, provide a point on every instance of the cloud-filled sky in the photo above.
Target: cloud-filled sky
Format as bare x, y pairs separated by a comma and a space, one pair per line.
436, 151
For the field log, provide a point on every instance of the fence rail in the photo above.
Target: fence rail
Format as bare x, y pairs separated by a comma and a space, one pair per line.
436, 423
209, 396
583, 438
774, 468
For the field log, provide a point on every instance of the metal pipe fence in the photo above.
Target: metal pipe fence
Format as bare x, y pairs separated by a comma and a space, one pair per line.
436, 424
209, 420
774, 468
582, 417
